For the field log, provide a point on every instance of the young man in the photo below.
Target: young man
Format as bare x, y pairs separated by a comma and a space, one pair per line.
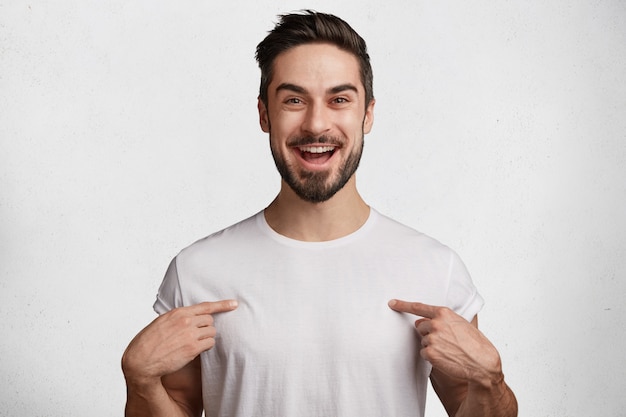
293, 312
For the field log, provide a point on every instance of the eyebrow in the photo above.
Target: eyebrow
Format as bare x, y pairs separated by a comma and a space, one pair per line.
301, 90
291, 87
343, 87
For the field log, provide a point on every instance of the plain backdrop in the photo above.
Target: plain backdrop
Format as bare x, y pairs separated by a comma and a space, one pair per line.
128, 130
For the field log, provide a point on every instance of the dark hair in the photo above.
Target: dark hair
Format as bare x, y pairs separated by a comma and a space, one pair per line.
311, 27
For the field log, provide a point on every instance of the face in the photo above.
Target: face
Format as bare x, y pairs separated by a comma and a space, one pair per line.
316, 117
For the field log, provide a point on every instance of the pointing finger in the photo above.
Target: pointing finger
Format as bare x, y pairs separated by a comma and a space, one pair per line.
211, 307
419, 309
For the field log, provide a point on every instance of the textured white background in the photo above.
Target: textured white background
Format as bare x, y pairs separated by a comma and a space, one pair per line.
129, 130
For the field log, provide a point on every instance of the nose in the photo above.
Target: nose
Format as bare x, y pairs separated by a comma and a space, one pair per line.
316, 119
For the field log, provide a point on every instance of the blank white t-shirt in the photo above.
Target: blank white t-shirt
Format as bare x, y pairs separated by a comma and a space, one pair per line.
313, 335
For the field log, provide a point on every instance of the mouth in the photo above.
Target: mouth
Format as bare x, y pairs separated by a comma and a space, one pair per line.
316, 155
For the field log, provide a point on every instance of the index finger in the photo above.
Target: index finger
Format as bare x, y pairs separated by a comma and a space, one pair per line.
419, 309
210, 307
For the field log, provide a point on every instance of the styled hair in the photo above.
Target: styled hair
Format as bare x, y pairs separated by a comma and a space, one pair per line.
311, 27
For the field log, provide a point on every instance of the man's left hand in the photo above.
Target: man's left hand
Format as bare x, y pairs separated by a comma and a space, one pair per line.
453, 345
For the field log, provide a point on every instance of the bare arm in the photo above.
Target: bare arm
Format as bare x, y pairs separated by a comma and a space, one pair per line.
492, 397
177, 395
161, 364
467, 371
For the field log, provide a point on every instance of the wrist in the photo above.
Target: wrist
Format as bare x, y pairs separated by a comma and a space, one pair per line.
493, 382
139, 382
489, 386
145, 387
489, 399
487, 373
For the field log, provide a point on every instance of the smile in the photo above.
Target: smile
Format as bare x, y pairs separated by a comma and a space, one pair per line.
316, 149
316, 155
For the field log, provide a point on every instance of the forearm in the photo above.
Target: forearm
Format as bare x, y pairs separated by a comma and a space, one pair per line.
152, 401
492, 400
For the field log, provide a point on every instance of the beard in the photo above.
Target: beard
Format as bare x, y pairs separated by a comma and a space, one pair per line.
317, 187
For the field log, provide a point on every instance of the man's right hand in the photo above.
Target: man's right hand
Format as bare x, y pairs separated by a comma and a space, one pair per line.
171, 341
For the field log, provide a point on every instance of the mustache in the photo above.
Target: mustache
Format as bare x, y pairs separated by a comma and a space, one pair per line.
310, 140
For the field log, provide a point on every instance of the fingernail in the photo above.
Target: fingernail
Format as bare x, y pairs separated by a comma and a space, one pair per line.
392, 303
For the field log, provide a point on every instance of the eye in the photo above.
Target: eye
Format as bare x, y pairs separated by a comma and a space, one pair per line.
293, 100
340, 100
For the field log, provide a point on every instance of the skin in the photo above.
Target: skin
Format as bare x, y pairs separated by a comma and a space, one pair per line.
467, 371
161, 364
315, 93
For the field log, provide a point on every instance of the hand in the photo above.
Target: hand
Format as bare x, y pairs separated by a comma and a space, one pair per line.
452, 344
171, 341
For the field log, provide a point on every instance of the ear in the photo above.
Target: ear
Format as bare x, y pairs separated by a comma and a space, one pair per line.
264, 119
368, 120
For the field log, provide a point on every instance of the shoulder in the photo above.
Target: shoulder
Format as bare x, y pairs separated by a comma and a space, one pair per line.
394, 232
235, 235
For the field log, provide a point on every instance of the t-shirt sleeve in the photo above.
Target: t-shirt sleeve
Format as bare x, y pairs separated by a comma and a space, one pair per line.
462, 295
169, 294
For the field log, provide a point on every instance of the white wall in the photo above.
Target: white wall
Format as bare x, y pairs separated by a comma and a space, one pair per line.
129, 130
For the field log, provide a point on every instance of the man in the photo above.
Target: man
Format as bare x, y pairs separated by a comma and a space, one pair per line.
292, 312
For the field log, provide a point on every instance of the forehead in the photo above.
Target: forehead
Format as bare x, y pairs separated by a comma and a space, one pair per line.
316, 65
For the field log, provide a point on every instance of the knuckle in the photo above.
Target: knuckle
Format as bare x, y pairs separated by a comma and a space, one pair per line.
189, 336
210, 343
446, 311
190, 350
176, 312
178, 315
185, 321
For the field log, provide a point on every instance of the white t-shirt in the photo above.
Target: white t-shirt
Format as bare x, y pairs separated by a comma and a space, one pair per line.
313, 335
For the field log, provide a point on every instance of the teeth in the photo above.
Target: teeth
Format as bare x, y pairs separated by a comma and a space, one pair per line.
316, 149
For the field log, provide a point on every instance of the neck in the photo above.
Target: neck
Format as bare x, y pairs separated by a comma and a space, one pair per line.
295, 218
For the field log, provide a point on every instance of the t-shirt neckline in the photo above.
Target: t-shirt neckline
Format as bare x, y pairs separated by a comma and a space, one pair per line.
287, 241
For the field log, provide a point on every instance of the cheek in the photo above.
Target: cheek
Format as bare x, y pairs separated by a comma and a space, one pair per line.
351, 123
285, 123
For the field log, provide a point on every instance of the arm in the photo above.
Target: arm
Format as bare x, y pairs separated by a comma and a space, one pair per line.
490, 397
161, 364
178, 394
467, 371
